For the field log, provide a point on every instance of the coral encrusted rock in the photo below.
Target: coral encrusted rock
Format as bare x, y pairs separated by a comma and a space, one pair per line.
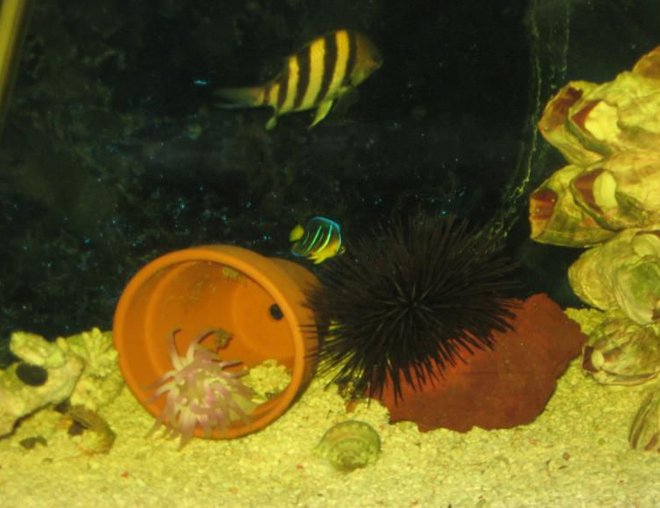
500, 388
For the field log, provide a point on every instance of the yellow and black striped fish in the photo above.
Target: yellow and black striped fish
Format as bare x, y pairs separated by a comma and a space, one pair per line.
314, 77
319, 240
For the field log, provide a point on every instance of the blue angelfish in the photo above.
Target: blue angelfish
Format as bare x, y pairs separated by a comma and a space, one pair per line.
319, 240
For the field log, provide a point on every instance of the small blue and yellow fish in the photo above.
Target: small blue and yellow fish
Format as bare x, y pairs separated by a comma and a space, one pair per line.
319, 240
314, 77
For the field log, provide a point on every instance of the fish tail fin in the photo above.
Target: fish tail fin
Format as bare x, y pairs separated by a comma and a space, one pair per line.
240, 97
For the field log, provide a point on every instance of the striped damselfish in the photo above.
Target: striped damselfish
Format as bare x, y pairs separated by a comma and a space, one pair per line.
319, 240
314, 77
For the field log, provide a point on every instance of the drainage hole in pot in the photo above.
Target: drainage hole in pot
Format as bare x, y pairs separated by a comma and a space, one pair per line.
276, 312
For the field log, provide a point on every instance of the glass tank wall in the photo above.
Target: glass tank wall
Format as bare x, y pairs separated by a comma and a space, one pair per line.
115, 148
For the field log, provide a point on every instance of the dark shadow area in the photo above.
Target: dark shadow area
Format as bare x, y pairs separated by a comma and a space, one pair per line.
113, 151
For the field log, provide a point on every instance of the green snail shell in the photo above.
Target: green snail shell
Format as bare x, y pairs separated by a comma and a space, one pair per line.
349, 445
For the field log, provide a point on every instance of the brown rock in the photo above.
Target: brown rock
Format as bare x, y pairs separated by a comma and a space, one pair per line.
504, 387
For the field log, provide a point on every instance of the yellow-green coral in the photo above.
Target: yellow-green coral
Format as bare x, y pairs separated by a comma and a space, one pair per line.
101, 380
19, 399
267, 379
588, 319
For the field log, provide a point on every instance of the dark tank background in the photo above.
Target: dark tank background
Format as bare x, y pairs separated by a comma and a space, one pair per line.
114, 153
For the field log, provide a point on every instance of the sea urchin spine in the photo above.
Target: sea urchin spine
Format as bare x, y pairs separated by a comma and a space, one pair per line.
409, 297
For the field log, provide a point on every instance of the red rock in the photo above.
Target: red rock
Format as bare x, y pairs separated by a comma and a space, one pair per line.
500, 388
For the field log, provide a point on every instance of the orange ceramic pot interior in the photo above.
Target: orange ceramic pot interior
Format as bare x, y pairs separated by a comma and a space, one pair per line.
259, 301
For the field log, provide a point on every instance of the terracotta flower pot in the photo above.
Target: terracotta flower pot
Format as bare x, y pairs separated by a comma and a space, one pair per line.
258, 300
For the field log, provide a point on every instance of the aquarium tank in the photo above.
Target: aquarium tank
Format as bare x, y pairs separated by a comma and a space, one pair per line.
114, 148
331, 134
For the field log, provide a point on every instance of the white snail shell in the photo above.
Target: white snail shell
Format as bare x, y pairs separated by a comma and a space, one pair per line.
350, 445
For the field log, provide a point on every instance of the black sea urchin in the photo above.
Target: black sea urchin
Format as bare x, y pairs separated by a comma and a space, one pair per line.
407, 297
